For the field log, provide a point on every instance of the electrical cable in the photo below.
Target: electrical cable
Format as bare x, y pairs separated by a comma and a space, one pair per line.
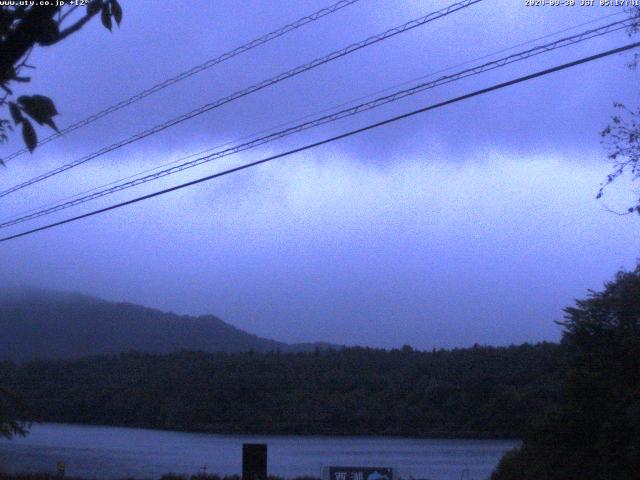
519, 56
192, 71
249, 90
332, 139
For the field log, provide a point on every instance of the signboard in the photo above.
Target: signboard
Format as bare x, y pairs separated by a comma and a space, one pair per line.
254, 461
360, 473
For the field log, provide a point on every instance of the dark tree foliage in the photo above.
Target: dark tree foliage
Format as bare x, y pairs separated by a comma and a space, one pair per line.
24, 26
476, 392
596, 432
622, 135
13, 415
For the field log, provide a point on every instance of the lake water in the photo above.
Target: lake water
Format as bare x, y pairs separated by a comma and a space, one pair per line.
109, 452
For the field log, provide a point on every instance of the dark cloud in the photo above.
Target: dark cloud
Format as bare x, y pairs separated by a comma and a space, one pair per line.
472, 223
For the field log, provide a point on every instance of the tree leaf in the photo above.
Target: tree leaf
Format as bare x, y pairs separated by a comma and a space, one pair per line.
16, 114
29, 135
94, 7
105, 16
116, 11
47, 32
52, 124
39, 107
6, 19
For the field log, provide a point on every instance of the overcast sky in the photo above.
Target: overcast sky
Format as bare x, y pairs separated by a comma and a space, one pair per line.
473, 223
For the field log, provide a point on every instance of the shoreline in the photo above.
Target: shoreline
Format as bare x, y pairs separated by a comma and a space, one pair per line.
372, 436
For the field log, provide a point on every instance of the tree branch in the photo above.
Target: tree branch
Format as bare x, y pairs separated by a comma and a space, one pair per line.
76, 26
22, 38
66, 14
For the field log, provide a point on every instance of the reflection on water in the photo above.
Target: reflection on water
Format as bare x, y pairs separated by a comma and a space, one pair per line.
109, 452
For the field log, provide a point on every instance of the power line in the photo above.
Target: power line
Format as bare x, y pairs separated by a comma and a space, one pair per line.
328, 118
467, 96
501, 62
259, 86
193, 71
328, 109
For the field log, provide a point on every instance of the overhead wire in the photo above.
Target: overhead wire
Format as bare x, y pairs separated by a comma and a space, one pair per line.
304, 117
249, 90
350, 133
324, 110
476, 70
191, 72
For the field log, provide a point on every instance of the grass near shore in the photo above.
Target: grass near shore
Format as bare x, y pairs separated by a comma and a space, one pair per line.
168, 476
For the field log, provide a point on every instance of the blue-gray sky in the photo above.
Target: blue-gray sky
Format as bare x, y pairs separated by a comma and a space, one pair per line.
475, 223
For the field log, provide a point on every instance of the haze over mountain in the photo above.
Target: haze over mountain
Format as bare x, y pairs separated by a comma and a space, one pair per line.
43, 324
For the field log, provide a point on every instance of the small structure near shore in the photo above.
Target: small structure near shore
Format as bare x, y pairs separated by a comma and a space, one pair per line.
254, 461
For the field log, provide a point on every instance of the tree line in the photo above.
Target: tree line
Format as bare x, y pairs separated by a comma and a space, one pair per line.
478, 392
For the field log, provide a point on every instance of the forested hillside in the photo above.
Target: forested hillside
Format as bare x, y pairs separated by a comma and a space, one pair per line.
40, 324
474, 392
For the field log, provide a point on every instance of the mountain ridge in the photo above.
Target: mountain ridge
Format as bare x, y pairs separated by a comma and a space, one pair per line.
40, 324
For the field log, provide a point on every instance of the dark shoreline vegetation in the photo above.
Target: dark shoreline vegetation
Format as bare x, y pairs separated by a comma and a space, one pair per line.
595, 433
168, 476
477, 392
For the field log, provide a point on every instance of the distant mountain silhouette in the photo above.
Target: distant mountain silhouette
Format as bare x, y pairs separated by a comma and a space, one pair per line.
43, 324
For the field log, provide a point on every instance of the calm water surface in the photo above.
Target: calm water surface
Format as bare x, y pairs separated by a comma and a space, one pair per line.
109, 452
